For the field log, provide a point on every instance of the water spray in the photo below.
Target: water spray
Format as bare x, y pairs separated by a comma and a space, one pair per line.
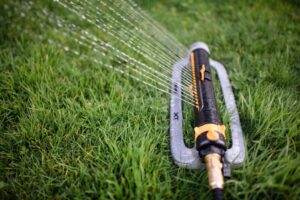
210, 149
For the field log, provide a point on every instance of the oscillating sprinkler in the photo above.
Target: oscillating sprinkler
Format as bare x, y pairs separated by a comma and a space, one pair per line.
210, 150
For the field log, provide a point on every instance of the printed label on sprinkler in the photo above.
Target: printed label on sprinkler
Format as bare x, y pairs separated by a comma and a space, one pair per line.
175, 88
175, 116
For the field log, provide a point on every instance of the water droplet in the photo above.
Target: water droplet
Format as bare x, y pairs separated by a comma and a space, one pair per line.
66, 48
50, 41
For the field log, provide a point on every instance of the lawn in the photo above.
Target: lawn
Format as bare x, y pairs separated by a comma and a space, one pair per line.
73, 130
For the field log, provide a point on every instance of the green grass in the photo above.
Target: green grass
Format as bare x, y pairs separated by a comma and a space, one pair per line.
71, 130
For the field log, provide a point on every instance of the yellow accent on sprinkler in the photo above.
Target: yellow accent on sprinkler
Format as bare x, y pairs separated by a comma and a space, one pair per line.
202, 72
194, 82
212, 131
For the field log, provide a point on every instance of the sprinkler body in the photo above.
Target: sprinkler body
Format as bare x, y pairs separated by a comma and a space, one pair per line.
210, 150
209, 133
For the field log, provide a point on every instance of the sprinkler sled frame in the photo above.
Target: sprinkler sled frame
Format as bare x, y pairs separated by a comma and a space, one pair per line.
210, 149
